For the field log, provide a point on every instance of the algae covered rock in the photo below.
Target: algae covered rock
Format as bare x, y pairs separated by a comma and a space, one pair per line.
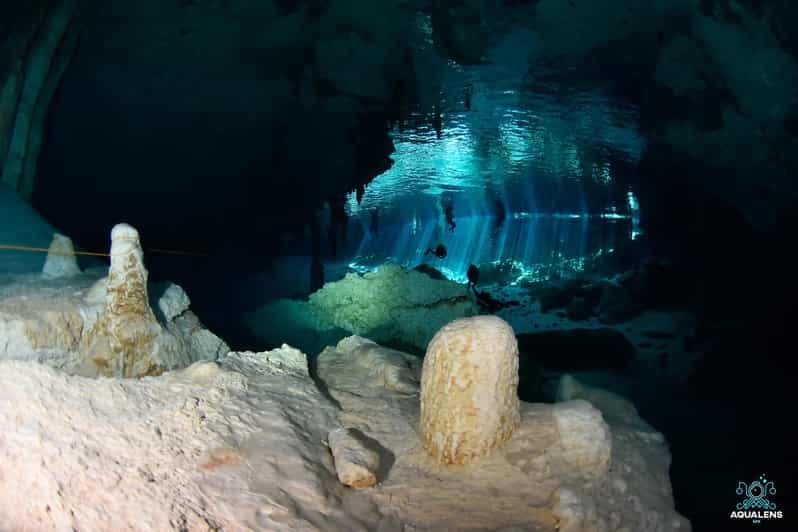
393, 306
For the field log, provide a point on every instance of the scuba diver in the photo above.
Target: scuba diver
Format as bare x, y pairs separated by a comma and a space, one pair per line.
473, 277
484, 299
439, 251
447, 206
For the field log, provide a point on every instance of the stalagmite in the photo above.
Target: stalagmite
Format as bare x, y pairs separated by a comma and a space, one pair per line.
61, 260
126, 340
469, 399
132, 326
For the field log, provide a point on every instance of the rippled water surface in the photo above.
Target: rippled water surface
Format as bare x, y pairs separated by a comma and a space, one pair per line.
509, 130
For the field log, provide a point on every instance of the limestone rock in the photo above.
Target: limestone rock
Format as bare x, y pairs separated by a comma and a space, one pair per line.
469, 401
577, 513
584, 437
173, 302
355, 464
637, 493
61, 260
360, 366
109, 454
240, 442
199, 342
127, 335
552, 473
91, 327
615, 409
283, 361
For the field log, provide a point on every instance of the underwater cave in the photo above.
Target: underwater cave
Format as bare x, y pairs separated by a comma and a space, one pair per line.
397, 265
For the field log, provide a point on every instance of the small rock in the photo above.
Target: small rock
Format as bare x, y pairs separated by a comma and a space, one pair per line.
355, 465
358, 365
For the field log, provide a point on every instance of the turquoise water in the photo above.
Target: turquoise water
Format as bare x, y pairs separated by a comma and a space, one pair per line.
516, 249
527, 171
511, 133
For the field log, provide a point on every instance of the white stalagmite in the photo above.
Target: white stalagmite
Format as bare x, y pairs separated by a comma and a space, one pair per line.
126, 340
132, 326
61, 260
469, 381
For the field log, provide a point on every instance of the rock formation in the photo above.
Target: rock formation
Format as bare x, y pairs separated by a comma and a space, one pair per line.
126, 335
249, 441
61, 260
568, 466
109, 454
361, 366
355, 465
102, 326
392, 306
469, 389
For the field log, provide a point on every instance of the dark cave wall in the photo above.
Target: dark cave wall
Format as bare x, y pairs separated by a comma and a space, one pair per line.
202, 122
37, 42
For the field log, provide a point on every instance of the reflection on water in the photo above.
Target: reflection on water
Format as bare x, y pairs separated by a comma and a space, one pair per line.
522, 169
509, 132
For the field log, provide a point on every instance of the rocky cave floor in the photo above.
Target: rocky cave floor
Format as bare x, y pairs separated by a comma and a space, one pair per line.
249, 441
